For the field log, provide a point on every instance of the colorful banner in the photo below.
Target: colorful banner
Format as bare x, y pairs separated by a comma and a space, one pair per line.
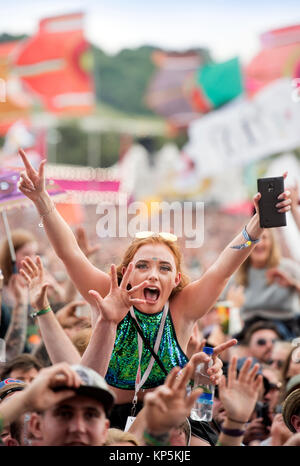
10, 196
246, 131
55, 65
216, 84
166, 94
279, 57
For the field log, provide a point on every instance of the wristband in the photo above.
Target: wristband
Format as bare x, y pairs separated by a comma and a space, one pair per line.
249, 241
157, 440
41, 312
232, 432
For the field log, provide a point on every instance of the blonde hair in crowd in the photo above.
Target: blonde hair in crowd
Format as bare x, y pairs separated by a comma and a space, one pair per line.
272, 261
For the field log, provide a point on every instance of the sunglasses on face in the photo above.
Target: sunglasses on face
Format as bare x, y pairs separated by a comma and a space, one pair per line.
278, 363
164, 235
263, 341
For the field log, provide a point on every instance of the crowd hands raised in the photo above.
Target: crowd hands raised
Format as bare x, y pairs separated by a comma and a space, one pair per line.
53, 390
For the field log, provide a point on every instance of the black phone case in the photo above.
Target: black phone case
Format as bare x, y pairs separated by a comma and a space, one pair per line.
270, 188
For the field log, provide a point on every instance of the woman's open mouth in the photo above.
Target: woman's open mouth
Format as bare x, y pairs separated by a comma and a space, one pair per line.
151, 294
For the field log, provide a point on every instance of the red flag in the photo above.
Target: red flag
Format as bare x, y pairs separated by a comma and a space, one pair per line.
54, 63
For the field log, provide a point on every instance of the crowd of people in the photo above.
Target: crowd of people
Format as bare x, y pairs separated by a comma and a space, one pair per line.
108, 357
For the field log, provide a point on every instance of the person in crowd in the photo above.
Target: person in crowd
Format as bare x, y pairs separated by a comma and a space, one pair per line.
58, 346
24, 367
73, 404
12, 432
280, 352
291, 411
290, 369
271, 286
165, 298
260, 339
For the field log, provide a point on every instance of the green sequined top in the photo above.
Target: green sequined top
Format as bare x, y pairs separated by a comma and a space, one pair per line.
124, 361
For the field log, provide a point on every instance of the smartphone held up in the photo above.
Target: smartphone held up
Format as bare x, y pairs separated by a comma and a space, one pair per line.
270, 188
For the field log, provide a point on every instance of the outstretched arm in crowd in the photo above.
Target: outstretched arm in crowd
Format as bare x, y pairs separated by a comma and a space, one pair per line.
58, 345
82, 272
111, 310
238, 395
39, 394
200, 295
15, 337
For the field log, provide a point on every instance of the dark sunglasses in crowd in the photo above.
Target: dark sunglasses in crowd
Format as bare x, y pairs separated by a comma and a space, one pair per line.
278, 363
264, 341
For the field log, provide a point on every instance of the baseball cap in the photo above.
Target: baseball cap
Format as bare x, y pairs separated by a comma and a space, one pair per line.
291, 406
93, 386
8, 386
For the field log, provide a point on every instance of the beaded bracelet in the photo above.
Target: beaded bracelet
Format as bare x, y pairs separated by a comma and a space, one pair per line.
41, 312
249, 241
157, 440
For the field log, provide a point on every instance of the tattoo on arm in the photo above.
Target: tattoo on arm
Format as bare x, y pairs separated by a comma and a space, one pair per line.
16, 333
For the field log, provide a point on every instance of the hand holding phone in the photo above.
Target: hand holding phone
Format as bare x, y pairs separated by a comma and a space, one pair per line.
270, 188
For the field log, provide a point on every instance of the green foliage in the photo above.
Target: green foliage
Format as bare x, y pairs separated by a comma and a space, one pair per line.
122, 80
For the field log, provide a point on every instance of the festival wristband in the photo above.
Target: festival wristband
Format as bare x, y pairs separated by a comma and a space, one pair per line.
41, 312
232, 432
249, 241
156, 440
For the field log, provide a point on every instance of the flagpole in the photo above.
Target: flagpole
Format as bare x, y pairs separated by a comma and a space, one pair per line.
10, 242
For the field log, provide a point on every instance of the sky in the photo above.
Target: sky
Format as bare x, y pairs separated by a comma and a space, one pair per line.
226, 27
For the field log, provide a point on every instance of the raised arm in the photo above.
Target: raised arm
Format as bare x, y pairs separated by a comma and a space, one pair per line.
15, 337
199, 296
82, 272
58, 345
238, 395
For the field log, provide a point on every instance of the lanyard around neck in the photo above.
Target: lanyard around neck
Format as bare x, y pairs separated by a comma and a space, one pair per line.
139, 382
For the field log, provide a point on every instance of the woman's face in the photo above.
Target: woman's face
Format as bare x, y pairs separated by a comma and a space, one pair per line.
155, 263
262, 250
29, 249
294, 366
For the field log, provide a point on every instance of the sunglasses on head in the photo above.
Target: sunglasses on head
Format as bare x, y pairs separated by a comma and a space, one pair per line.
163, 235
263, 341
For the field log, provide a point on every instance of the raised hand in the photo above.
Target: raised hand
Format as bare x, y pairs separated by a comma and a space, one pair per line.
83, 243
33, 273
279, 276
169, 405
215, 371
39, 395
18, 288
32, 182
239, 393
117, 303
67, 317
